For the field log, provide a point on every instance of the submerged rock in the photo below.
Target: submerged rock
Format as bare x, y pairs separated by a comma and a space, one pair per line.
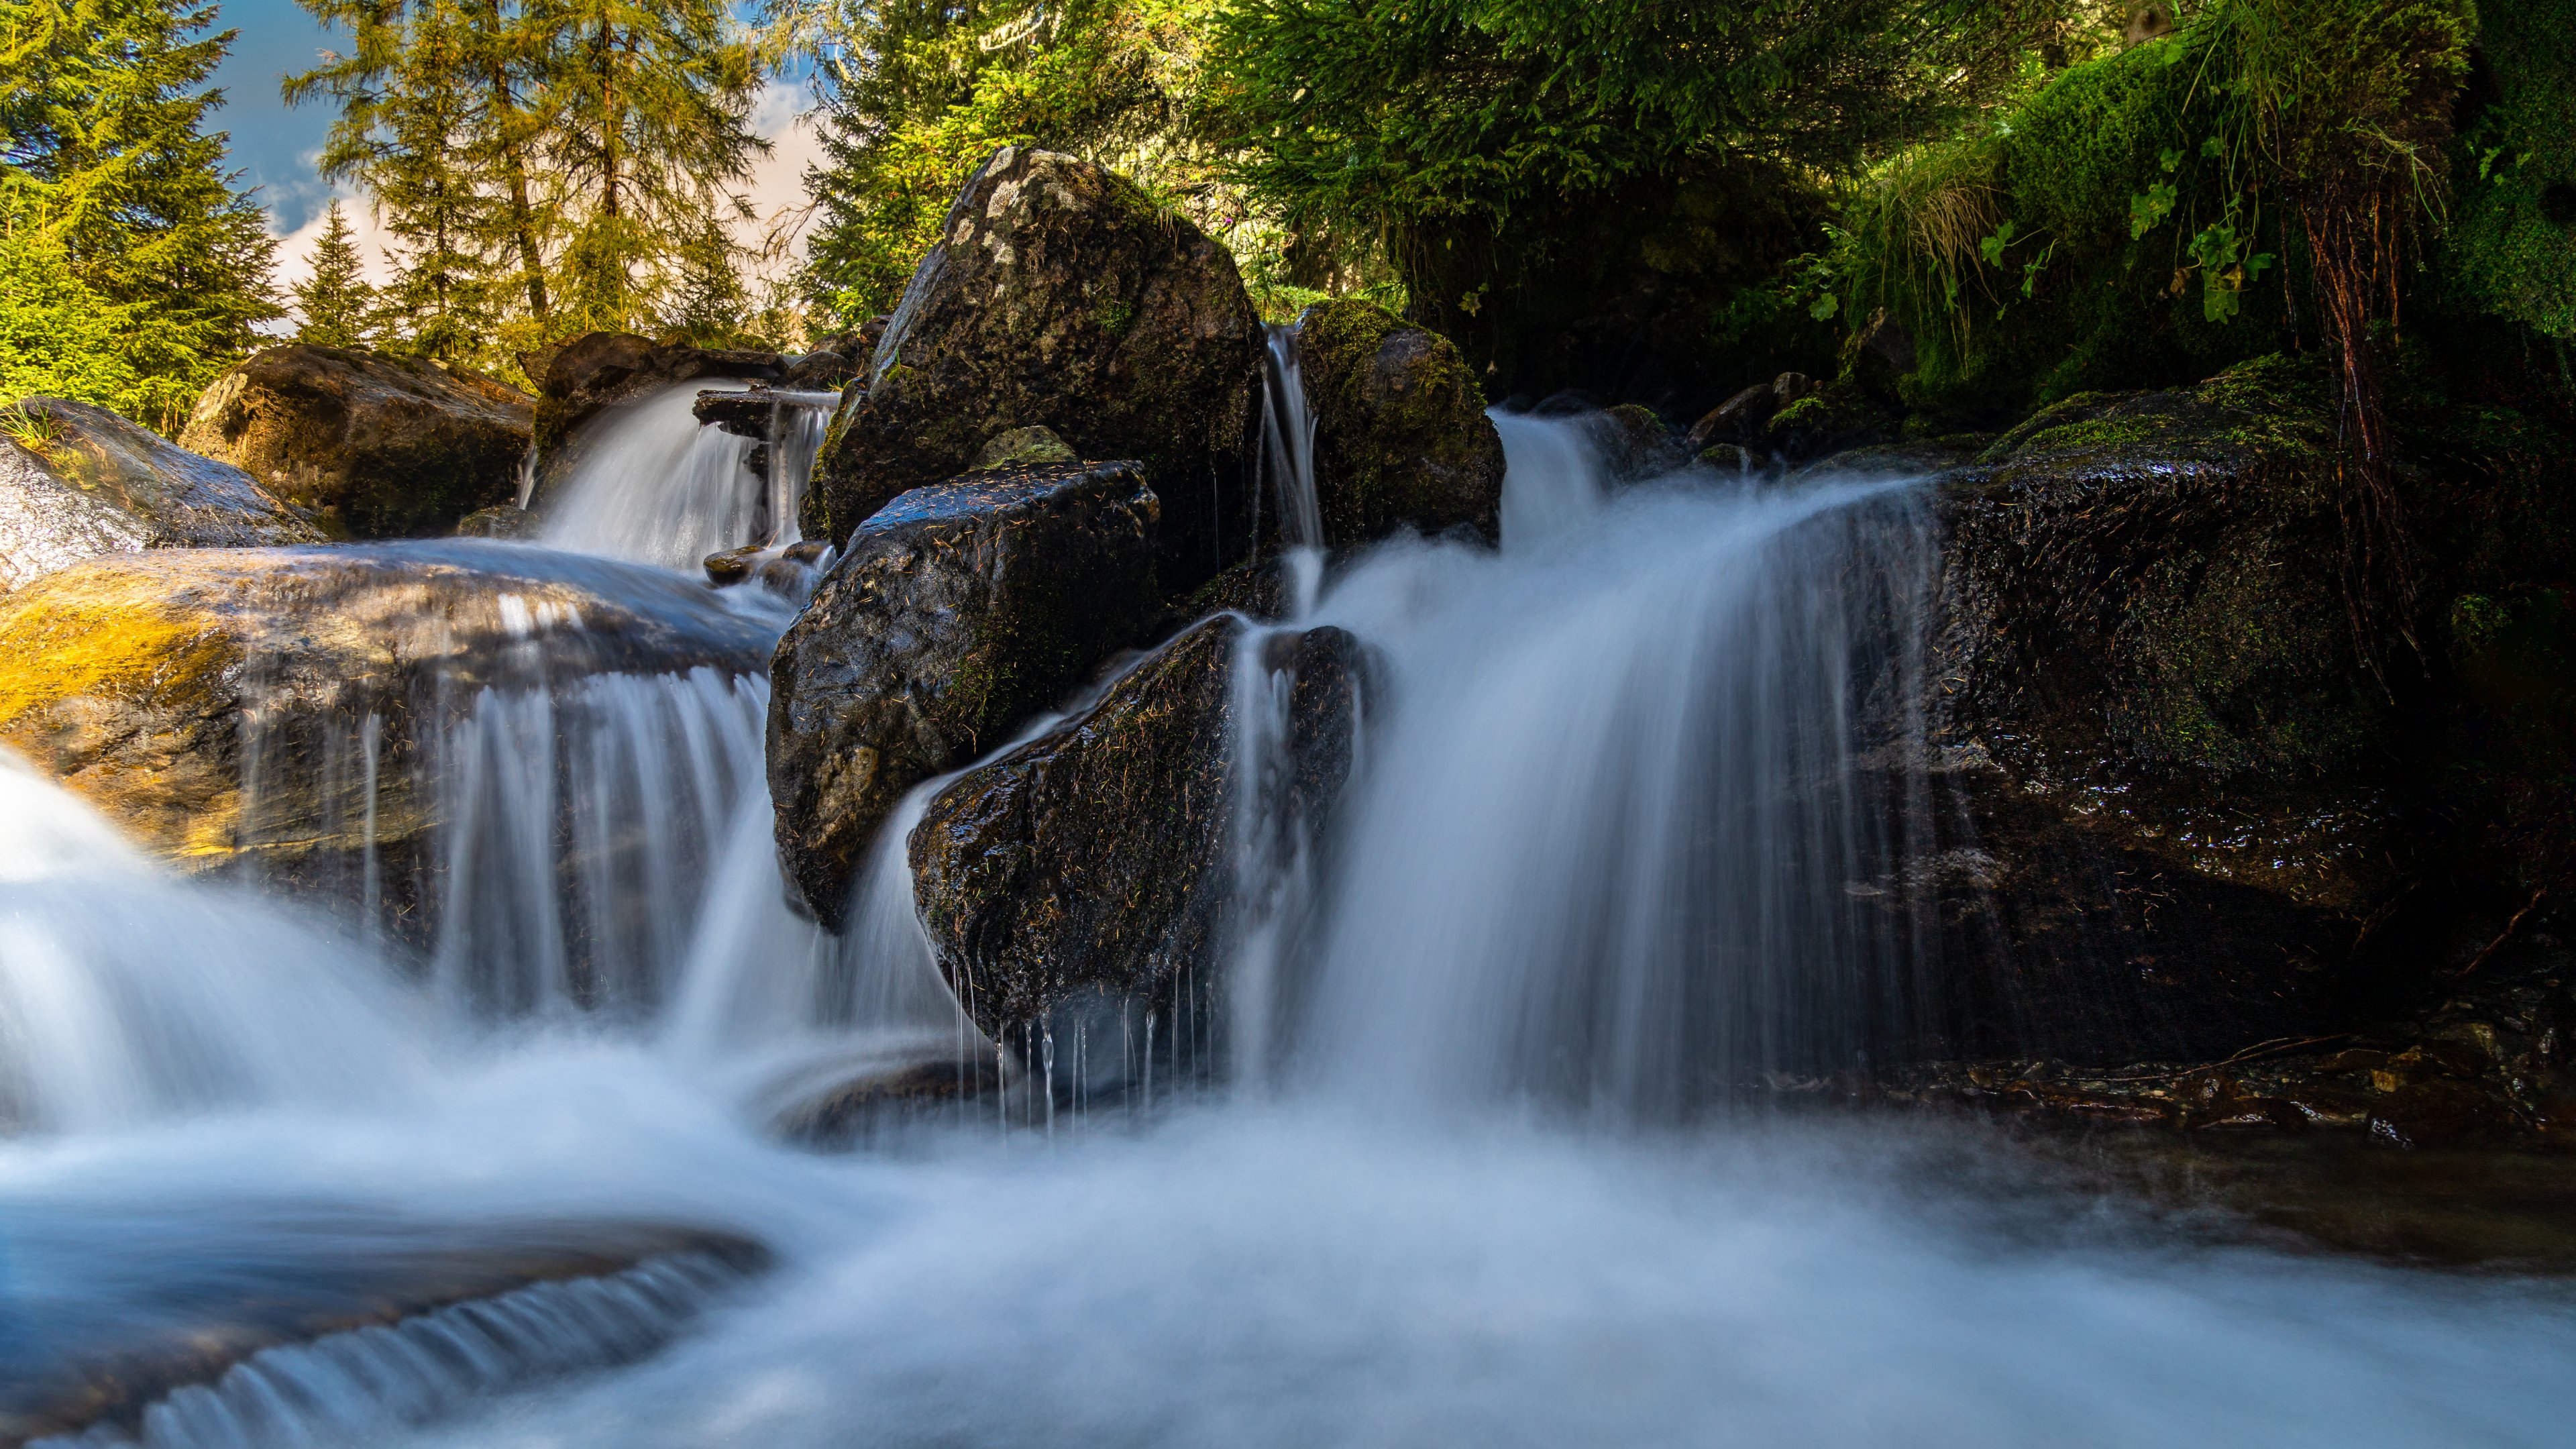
1061, 296
1401, 436
260, 708
374, 446
96, 484
954, 614
153, 1304
1081, 878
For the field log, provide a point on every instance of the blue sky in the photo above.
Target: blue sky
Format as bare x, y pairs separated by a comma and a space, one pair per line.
270, 141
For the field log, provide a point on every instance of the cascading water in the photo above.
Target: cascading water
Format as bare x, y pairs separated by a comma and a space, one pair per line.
648, 483
1620, 841
1628, 831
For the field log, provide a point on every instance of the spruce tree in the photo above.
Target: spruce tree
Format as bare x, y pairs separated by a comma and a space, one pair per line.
654, 98
335, 301
109, 180
510, 57
411, 118
706, 304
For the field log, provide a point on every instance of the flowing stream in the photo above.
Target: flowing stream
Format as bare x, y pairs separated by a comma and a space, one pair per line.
1613, 857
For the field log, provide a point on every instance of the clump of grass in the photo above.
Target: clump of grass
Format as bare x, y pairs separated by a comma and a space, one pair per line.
27, 427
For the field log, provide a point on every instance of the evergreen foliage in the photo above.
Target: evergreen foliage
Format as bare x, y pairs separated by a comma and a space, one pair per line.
707, 304
137, 269
653, 100
546, 165
335, 302
916, 93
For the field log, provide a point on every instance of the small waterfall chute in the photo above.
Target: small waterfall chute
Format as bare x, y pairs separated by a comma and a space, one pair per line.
129, 995
655, 482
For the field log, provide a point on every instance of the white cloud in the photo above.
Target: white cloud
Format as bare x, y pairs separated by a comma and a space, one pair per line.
295, 250
776, 190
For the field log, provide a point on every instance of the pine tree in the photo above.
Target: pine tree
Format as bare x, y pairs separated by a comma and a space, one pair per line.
654, 96
109, 177
411, 118
335, 301
706, 303
510, 57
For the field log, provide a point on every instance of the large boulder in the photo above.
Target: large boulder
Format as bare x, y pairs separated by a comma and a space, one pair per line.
598, 371
1401, 436
2168, 770
1061, 296
91, 483
263, 709
1079, 881
374, 446
954, 613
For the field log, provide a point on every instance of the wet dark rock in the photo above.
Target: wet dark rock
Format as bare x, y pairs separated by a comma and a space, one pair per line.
1739, 419
1830, 419
1255, 588
1917, 458
209, 701
732, 566
745, 413
954, 614
1078, 880
371, 446
599, 370
837, 360
1728, 458
1061, 296
501, 520
865, 1110
101, 485
1636, 443
2150, 714
1401, 436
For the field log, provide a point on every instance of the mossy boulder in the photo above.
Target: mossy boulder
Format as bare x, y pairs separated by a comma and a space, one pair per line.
93, 483
2167, 756
369, 445
1832, 419
219, 704
954, 614
1077, 883
1637, 444
1401, 436
1061, 296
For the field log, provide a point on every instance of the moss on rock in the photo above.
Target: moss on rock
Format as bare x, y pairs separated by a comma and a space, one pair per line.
1401, 436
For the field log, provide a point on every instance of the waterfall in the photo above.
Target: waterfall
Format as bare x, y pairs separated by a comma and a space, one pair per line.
1288, 442
649, 482
1628, 834
128, 994
797, 424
